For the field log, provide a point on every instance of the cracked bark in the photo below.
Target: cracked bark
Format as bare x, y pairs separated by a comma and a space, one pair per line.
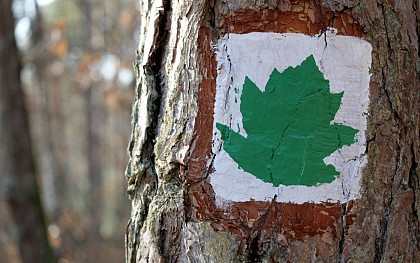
174, 216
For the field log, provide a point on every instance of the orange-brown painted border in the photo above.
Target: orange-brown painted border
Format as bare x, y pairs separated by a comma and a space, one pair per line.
246, 219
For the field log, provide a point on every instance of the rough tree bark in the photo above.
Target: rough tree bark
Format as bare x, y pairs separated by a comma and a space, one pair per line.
174, 217
17, 164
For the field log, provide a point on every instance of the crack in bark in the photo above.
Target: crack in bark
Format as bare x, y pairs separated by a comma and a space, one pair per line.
416, 6
254, 251
146, 160
382, 242
342, 240
335, 15
413, 183
414, 178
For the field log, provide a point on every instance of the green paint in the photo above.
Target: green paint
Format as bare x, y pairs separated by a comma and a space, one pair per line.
289, 127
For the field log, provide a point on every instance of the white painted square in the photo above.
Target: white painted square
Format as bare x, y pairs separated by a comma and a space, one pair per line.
344, 60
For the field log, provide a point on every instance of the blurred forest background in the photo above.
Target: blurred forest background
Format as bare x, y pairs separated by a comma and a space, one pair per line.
78, 80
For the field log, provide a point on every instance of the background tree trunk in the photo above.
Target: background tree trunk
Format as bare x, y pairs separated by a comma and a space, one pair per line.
17, 163
174, 217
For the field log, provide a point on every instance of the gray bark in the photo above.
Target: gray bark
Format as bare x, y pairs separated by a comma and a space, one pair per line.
167, 223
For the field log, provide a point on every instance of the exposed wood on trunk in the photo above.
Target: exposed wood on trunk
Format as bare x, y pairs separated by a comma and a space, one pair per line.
175, 217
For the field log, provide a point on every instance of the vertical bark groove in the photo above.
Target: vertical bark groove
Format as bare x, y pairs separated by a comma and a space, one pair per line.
141, 169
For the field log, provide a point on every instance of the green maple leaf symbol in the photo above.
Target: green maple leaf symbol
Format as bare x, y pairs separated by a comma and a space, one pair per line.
289, 128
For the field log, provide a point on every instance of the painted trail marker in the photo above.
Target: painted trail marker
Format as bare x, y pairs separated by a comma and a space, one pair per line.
290, 117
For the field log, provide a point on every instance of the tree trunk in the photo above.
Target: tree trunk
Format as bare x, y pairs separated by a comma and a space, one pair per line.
22, 193
177, 216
